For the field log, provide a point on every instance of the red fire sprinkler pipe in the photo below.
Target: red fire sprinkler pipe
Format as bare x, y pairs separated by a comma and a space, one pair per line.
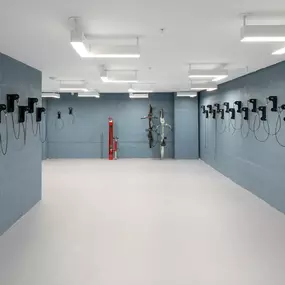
111, 138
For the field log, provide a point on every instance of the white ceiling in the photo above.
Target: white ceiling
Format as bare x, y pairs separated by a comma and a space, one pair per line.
37, 33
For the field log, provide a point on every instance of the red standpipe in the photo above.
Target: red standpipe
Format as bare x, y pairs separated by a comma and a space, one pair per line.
111, 138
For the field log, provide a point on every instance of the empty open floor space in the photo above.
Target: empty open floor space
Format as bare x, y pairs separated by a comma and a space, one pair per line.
143, 222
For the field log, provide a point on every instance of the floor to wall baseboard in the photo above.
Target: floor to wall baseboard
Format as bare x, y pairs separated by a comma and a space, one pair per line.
143, 222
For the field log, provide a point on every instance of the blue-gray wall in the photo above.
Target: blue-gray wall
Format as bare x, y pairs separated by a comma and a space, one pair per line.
186, 128
20, 169
83, 138
258, 167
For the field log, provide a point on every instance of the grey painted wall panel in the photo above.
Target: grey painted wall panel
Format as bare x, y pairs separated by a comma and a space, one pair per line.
186, 128
20, 169
257, 166
83, 138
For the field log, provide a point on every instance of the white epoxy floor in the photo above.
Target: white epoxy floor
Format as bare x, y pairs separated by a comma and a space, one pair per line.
143, 222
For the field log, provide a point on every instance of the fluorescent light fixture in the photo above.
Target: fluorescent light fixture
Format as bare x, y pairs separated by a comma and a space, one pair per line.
116, 51
73, 89
212, 89
138, 96
263, 33
114, 55
119, 76
186, 94
219, 78
77, 41
215, 74
75, 86
131, 90
50, 95
107, 80
279, 51
201, 87
89, 95
81, 49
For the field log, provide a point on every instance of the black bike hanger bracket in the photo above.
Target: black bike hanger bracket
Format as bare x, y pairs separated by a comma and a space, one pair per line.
227, 105
217, 105
239, 105
274, 101
254, 104
210, 107
22, 113
233, 111
262, 109
222, 114
2, 108
246, 113
39, 112
31, 104
11, 98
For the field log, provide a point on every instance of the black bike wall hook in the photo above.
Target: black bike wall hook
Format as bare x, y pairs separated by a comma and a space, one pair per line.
254, 104
227, 105
210, 107
246, 113
274, 101
233, 111
262, 109
239, 105
2, 109
217, 105
31, 104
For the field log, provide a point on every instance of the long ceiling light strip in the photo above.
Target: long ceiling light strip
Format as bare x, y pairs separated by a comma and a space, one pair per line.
279, 51
107, 80
79, 43
50, 95
72, 89
89, 95
215, 75
131, 90
138, 96
119, 76
200, 87
187, 94
73, 86
263, 33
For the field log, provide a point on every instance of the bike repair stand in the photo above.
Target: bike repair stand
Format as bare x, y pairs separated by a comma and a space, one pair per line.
116, 143
111, 138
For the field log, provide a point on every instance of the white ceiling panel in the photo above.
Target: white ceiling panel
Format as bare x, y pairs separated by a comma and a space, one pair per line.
37, 33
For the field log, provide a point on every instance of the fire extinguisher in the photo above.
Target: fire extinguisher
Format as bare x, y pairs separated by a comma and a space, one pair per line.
116, 141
